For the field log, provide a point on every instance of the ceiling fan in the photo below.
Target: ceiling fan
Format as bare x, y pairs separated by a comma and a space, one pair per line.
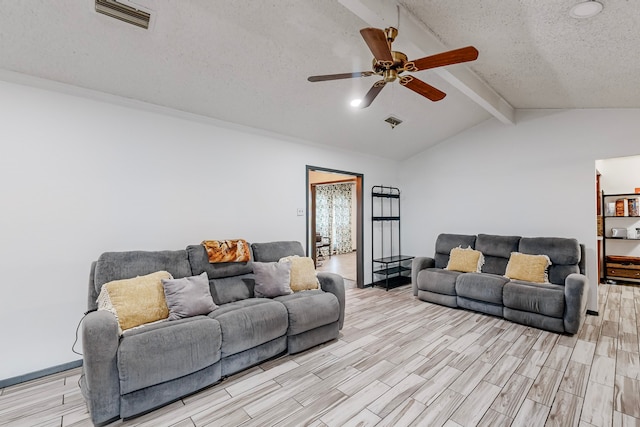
389, 64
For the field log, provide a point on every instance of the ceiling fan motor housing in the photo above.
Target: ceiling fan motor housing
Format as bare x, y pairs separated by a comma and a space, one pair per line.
390, 70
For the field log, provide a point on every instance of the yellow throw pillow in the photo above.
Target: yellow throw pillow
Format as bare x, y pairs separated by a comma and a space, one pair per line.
530, 268
303, 273
135, 301
465, 260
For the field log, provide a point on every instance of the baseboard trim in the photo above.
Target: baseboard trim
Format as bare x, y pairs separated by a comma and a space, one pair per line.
592, 313
39, 374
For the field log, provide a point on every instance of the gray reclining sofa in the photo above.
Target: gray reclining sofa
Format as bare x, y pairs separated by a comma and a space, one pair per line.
558, 306
145, 368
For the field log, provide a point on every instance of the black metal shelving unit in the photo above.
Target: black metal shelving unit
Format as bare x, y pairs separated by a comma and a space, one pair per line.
389, 268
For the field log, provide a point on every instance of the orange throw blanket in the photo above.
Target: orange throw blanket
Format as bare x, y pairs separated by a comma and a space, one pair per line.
227, 250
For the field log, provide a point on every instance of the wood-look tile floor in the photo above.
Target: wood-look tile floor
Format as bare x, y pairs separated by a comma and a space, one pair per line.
400, 361
343, 264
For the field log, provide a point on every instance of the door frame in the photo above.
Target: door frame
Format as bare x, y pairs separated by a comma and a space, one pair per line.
311, 213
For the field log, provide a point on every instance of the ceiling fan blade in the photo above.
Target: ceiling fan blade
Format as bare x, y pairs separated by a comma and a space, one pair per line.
340, 76
455, 56
422, 88
373, 92
376, 39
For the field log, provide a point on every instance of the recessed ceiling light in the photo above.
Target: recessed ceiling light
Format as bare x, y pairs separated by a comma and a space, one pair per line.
586, 9
355, 102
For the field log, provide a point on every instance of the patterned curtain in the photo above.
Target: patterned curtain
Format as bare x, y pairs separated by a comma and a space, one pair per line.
324, 212
333, 215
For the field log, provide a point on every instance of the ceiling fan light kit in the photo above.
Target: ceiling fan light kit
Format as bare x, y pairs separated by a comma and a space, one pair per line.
586, 9
390, 64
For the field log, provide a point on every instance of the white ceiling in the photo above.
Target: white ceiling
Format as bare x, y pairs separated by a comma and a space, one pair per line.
246, 61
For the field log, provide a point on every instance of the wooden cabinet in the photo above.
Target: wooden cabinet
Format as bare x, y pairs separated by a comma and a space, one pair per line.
623, 271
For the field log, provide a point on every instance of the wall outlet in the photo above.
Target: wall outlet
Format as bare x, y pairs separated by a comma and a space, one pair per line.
300, 212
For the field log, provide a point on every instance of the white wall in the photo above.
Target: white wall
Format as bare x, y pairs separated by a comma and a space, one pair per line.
79, 177
535, 178
619, 175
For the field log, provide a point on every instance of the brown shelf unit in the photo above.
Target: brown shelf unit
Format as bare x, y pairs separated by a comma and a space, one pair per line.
619, 267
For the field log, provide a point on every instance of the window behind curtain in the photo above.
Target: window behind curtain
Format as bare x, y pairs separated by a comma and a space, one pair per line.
333, 215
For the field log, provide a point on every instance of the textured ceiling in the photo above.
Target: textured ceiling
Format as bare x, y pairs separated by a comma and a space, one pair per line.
537, 56
246, 62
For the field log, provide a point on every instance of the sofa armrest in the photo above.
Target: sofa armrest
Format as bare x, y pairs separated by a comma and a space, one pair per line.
575, 296
419, 263
101, 384
334, 283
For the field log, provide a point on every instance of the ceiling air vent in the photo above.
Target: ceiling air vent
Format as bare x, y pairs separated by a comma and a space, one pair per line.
393, 121
125, 13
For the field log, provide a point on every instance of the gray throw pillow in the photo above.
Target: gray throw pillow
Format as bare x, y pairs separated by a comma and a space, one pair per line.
188, 296
272, 279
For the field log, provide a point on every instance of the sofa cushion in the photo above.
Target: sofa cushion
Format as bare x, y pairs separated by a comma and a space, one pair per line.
125, 265
199, 261
446, 242
564, 253
448, 300
303, 273
496, 251
561, 251
309, 310
230, 289
188, 296
273, 251
248, 323
135, 301
438, 281
541, 298
559, 273
465, 260
481, 306
167, 351
272, 279
534, 319
481, 286
530, 268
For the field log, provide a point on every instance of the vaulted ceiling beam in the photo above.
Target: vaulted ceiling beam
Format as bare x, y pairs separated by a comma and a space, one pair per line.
382, 14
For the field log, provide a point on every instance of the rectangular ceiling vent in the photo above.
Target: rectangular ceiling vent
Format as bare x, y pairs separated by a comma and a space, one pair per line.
393, 121
125, 13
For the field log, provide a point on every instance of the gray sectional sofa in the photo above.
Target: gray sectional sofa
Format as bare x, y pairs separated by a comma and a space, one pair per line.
558, 306
145, 368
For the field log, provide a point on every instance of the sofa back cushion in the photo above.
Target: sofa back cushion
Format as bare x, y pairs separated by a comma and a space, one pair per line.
273, 251
445, 242
230, 289
228, 281
496, 251
126, 265
565, 255
199, 261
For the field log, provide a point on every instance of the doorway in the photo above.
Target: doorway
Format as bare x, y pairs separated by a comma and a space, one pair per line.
618, 236
317, 179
